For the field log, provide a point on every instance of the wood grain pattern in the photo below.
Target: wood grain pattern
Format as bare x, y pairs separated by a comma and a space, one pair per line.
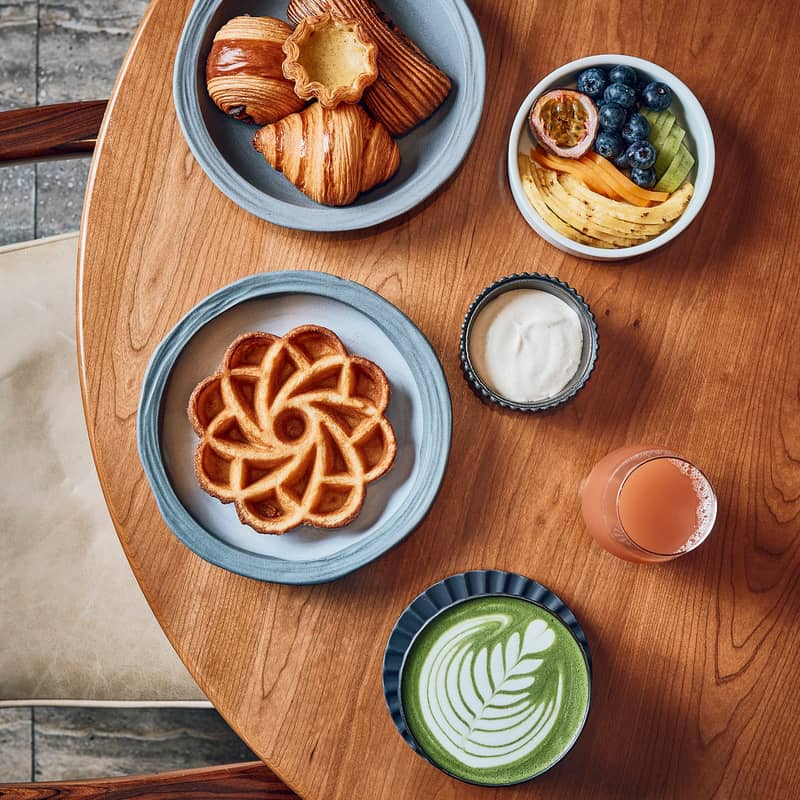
54, 131
250, 781
696, 692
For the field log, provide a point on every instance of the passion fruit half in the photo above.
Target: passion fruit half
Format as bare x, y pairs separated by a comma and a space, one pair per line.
564, 122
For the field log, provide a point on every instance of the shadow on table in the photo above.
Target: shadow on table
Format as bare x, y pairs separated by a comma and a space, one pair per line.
620, 753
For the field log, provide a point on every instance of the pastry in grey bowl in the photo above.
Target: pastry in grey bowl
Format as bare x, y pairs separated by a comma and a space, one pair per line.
429, 154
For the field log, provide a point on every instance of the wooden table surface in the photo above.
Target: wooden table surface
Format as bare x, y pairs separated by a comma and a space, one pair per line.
696, 681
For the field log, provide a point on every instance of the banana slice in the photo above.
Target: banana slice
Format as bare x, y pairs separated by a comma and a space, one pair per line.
537, 201
565, 203
661, 214
581, 216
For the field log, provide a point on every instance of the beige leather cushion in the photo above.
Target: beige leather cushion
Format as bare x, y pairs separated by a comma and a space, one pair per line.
74, 624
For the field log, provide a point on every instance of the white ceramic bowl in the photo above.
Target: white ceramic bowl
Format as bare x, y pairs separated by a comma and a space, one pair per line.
691, 117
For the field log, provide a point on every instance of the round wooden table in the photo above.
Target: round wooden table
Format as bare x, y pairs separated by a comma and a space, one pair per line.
696, 688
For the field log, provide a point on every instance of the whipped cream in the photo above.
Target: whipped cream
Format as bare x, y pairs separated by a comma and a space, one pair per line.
526, 345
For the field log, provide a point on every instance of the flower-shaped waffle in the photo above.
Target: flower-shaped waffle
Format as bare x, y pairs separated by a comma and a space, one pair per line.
292, 429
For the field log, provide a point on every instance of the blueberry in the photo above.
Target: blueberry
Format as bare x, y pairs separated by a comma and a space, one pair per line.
620, 94
656, 95
622, 74
621, 161
611, 116
608, 144
593, 82
646, 178
635, 129
641, 155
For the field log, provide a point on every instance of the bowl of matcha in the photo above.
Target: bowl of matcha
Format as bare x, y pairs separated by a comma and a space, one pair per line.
487, 675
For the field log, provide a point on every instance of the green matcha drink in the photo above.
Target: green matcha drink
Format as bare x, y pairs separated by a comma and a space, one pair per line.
495, 690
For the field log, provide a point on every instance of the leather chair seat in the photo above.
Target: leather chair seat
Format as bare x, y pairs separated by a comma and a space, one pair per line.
74, 625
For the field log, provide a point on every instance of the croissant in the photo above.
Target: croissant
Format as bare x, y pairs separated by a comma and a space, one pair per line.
409, 87
243, 70
330, 154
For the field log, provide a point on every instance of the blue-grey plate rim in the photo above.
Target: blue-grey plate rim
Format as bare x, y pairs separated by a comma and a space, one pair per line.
433, 454
445, 594
324, 218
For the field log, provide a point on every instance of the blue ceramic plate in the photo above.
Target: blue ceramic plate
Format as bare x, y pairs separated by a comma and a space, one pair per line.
445, 594
429, 154
370, 326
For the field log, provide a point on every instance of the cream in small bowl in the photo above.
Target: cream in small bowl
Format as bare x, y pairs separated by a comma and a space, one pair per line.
529, 342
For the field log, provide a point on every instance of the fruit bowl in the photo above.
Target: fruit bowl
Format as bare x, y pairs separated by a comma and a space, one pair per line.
689, 115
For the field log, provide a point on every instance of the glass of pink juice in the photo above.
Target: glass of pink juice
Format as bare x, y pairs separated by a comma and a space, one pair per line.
647, 504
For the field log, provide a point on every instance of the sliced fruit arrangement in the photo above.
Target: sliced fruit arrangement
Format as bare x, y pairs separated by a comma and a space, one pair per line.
609, 151
574, 210
600, 176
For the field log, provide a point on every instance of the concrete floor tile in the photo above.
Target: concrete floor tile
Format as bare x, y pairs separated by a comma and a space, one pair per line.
73, 743
17, 54
81, 46
17, 205
15, 744
60, 186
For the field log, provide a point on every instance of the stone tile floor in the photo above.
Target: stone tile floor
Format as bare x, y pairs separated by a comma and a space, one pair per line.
56, 51
55, 744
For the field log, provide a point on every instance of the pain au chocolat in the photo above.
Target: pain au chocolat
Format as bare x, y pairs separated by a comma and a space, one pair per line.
409, 87
292, 429
243, 70
330, 154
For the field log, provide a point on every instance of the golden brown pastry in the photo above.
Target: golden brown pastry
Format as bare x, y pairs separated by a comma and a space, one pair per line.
292, 430
331, 154
330, 58
243, 70
409, 87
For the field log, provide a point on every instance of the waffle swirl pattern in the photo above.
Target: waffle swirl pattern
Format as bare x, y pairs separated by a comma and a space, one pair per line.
292, 429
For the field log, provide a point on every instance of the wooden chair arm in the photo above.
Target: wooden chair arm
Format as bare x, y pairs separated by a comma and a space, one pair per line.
61, 130
249, 781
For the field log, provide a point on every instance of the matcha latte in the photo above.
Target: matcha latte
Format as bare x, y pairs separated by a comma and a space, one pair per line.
495, 690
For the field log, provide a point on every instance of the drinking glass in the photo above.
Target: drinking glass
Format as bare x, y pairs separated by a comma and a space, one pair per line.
647, 504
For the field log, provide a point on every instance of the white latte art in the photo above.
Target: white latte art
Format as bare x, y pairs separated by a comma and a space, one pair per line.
485, 708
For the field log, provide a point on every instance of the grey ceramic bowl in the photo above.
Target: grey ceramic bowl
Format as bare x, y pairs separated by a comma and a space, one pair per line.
429, 154
442, 596
545, 283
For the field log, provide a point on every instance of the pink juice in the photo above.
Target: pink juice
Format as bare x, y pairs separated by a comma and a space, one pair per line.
647, 504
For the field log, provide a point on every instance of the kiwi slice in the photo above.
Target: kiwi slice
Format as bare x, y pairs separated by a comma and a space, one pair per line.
668, 149
661, 124
677, 171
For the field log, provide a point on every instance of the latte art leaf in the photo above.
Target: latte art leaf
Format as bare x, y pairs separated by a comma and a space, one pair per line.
484, 704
